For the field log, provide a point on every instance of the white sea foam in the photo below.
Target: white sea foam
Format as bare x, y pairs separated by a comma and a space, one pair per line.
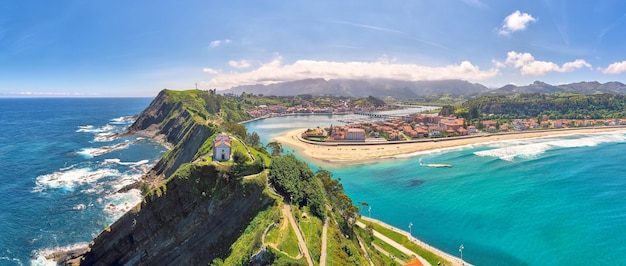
71, 178
531, 148
125, 180
40, 255
119, 203
122, 120
105, 137
119, 162
14, 260
92, 129
94, 152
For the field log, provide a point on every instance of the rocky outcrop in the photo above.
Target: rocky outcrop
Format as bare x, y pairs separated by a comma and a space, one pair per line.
169, 121
193, 213
190, 221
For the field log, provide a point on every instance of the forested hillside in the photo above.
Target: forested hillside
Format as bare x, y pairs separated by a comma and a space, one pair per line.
555, 106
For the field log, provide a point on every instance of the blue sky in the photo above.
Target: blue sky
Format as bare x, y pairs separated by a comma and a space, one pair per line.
136, 48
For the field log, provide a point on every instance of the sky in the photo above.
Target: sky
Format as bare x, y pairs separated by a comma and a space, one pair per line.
137, 48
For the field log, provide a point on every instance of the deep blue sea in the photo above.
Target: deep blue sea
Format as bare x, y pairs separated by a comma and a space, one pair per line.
545, 201
61, 168
548, 201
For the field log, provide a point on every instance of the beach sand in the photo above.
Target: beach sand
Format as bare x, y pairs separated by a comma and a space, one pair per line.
363, 153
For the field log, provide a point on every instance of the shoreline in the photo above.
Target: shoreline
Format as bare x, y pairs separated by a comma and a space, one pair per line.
345, 153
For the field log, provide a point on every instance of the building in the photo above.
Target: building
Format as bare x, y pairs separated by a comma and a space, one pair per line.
355, 134
221, 148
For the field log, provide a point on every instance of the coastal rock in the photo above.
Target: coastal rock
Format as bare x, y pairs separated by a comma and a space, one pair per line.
184, 225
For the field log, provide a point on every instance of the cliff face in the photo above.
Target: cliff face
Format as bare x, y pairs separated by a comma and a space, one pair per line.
193, 213
170, 121
191, 220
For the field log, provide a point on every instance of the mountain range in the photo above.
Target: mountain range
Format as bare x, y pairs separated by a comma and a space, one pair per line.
400, 89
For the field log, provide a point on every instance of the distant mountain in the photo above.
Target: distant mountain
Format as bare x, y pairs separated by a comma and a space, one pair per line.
362, 88
592, 87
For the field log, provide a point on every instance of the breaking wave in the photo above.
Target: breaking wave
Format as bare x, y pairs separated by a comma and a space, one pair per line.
94, 152
123, 120
69, 179
40, 255
532, 148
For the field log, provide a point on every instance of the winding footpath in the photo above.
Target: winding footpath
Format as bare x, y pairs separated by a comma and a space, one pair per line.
301, 243
323, 254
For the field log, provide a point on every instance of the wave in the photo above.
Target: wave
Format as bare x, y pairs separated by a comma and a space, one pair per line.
119, 162
119, 203
94, 152
14, 260
105, 137
92, 129
508, 150
123, 120
41, 254
71, 178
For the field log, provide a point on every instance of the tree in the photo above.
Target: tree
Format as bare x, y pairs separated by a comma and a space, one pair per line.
287, 174
275, 147
239, 157
364, 204
253, 139
237, 129
239, 168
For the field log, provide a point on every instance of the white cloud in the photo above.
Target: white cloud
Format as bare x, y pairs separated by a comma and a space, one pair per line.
218, 43
275, 71
529, 66
239, 64
210, 70
615, 68
515, 22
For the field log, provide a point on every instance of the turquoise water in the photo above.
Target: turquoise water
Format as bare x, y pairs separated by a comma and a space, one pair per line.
542, 201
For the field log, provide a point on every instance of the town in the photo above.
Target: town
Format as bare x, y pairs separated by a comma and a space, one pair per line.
419, 126
327, 106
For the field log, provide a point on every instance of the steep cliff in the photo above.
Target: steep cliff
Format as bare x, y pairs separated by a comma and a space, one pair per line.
191, 219
178, 119
191, 213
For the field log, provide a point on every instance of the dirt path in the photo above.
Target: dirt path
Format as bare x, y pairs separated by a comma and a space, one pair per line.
324, 243
301, 243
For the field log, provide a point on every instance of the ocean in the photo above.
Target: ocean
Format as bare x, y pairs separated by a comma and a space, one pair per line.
555, 200
61, 168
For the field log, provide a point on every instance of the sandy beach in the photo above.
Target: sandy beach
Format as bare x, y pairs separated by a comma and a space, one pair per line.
362, 153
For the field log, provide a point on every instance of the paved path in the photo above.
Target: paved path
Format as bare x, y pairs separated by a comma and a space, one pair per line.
396, 245
384, 252
324, 243
301, 243
367, 255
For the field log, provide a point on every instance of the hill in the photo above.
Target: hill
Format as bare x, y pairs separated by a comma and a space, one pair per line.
593, 87
381, 88
251, 210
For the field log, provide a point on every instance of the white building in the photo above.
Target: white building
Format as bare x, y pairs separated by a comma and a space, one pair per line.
221, 148
355, 134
